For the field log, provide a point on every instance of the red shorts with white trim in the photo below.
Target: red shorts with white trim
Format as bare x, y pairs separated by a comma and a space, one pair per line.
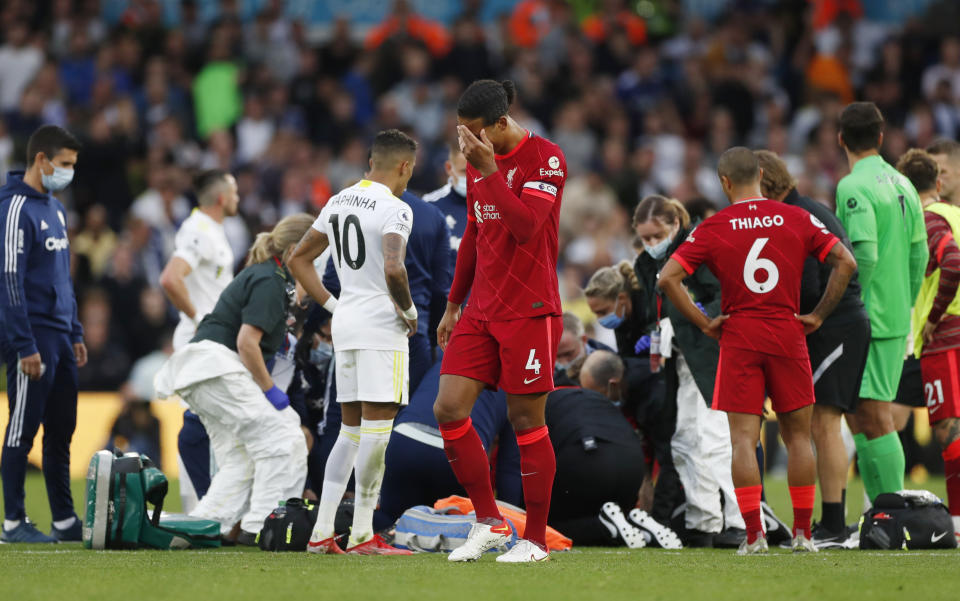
941, 384
517, 355
745, 378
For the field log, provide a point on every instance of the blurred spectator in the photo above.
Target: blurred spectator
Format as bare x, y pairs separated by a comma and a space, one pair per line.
403, 22
613, 17
468, 59
947, 70
107, 366
19, 62
96, 242
338, 54
216, 93
162, 206
254, 131
78, 69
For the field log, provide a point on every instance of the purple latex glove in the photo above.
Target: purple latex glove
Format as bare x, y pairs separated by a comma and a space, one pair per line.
277, 398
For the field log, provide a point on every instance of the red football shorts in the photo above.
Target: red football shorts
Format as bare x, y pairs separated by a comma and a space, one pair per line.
941, 384
517, 355
745, 378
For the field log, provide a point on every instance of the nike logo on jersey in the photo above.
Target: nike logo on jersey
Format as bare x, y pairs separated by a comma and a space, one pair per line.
43, 225
935, 537
530, 474
476, 179
526, 381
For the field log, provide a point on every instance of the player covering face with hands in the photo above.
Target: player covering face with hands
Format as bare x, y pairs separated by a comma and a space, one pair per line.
367, 226
507, 335
757, 248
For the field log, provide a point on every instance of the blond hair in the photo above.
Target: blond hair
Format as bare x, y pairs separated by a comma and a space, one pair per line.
608, 282
668, 211
776, 180
285, 234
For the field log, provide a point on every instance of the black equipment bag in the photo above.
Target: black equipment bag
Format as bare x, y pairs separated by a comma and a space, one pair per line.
907, 520
289, 526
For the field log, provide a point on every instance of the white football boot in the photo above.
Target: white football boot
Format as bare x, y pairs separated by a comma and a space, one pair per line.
758, 547
524, 552
481, 539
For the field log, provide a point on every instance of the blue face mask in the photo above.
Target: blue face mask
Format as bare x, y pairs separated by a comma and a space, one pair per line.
58, 180
657, 251
611, 321
460, 187
321, 355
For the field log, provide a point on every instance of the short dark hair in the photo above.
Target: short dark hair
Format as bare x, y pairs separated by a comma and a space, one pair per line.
50, 139
205, 182
861, 124
945, 146
739, 165
389, 144
486, 99
920, 168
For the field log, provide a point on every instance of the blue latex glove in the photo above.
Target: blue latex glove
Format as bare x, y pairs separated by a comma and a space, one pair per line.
642, 345
702, 310
277, 398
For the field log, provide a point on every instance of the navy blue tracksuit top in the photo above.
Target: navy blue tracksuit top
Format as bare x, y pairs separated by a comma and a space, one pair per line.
37, 290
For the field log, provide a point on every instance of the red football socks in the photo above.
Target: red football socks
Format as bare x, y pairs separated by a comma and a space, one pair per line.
802, 498
951, 468
538, 465
748, 498
469, 462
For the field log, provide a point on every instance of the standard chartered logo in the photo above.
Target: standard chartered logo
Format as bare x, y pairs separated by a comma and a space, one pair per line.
485, 211
56, 244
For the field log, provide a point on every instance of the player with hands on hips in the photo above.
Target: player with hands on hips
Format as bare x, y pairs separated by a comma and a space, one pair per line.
757, 249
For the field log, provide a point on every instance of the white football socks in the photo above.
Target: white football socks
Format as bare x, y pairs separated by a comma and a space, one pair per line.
374, 436
64, 524
335, 478
10, 524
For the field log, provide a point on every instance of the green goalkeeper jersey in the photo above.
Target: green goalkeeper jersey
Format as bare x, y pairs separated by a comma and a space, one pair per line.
877, 204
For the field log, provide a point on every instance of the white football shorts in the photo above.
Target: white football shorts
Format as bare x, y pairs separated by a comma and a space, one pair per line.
373, 376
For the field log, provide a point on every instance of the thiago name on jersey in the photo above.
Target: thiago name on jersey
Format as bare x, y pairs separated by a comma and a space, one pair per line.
749, 223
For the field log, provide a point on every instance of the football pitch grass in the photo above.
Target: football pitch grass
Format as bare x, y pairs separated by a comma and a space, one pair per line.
69, 572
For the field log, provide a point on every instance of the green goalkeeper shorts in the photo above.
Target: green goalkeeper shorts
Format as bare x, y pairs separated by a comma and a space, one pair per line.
881, 377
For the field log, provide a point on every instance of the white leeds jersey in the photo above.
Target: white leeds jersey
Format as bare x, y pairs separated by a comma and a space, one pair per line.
202, 243
355, 221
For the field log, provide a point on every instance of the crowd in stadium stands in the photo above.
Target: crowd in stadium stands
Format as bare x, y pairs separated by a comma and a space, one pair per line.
636, 111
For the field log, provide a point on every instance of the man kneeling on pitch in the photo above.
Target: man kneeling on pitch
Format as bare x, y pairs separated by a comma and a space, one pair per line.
222, 375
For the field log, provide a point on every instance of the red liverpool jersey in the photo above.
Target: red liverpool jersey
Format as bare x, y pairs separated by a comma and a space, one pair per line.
757, 248
513, 218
